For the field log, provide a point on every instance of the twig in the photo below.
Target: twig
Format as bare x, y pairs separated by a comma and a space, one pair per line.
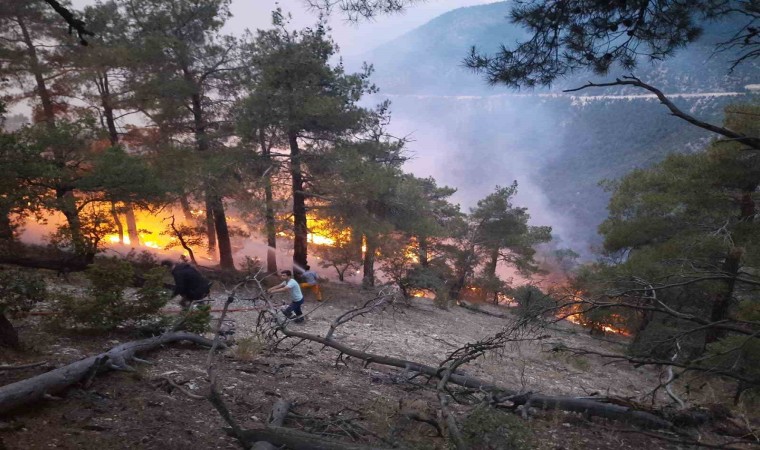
23, 366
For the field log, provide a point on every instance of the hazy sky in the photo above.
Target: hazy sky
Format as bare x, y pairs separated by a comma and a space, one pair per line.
353, 38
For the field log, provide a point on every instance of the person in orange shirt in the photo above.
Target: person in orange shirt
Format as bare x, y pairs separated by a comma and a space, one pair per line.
310, 281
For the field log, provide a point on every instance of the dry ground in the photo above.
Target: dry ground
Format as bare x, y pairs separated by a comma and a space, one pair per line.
342, 399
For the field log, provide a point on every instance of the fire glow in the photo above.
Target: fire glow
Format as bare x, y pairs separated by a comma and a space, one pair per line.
607, 328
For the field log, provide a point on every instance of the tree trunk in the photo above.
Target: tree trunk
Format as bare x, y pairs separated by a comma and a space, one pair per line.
723, 300
67, 205
722, 303
34, 389
216, 220
269, 218
34, 63
8, 334
223, 234
300, 228
117, 222
493, 259
463, 267
369, 261
6, 225
210, 224
132, 232
105, 101
186, 210
423, 251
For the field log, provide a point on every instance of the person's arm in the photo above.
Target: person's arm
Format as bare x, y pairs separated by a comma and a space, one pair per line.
282, 287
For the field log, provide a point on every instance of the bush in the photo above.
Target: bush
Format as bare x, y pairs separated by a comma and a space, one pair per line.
197, 320
532, 303
657, 340
105, 306
19, 291
247, 349
493, 429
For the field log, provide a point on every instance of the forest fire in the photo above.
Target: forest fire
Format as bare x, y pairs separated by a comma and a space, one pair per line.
611, 324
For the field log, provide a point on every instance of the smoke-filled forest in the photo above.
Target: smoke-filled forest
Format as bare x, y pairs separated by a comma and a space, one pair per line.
213, 239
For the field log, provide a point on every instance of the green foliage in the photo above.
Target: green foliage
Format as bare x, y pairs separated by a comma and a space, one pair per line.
197, 320
123, 178
599, 35
20, 290
532, 303
106, 306
737, 354
496, 429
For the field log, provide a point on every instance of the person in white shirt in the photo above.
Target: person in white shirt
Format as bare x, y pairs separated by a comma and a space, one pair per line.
296, 297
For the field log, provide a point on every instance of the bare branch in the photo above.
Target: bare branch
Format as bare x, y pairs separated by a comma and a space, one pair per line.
753, 142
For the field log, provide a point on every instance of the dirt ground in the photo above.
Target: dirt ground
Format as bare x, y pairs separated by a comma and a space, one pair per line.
341, 399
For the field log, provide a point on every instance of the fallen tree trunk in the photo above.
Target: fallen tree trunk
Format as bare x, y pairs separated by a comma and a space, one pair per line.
62, 265
588, 407
592, 408
276, 419
473, 308
36, 388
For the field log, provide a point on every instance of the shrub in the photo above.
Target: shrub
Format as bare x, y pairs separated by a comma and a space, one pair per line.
532, 303
197, 320
106, 306
19, 291
492, 429
247, 349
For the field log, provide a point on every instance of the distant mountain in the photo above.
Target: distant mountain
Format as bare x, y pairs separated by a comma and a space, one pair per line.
557, 146
429, 59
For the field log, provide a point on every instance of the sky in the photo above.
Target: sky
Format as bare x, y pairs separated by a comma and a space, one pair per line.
352, 38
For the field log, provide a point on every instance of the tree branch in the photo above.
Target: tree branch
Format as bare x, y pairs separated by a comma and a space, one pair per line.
753, 142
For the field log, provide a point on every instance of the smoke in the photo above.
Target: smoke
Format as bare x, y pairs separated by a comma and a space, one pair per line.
474, 143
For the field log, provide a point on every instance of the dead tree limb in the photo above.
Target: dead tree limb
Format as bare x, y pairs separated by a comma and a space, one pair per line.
448, 417
472, 308
23, 366
36, 388
74, 23
589, 407
276, 419
373, 304
750, 141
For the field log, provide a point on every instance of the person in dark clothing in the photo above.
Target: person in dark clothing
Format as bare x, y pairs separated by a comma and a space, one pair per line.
188, 283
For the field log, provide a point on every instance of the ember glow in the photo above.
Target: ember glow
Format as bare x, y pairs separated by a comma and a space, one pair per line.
606, 327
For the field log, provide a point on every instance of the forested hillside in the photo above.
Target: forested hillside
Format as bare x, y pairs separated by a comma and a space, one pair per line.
558, 146
427, 265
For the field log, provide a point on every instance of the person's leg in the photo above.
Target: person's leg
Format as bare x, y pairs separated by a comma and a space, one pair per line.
297, 310
289, 310
314, 288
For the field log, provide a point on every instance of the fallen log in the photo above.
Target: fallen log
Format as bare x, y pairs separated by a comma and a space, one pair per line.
276, 419
36, 388
62, 265
473, 308
585, 406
